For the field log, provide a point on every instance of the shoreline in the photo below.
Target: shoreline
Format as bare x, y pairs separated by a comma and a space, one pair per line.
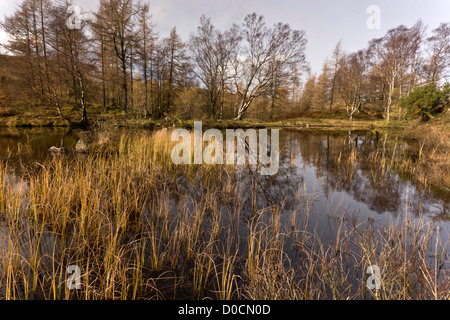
128, 123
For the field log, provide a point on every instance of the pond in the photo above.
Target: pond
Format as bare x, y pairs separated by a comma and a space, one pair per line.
328, 174
316, 160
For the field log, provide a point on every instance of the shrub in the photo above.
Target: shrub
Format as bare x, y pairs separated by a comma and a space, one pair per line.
428, 100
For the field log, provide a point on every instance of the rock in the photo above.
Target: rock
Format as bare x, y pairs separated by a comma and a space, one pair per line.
81, 146
54, 149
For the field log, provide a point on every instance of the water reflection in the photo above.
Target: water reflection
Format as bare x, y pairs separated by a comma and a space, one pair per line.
32, 144
356, 165
329, 175
325, 173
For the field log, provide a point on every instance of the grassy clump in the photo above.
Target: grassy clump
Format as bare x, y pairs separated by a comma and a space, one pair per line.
429, 162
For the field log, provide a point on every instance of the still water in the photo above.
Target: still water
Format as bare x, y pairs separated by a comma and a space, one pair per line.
337, 173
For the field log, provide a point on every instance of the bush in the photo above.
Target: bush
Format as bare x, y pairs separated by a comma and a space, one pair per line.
428, 100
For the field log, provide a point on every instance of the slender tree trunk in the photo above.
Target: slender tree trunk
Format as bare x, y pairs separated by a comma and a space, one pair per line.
38, 58
152, 104
125, 86
169, 91
102, 53
30, 56
84, 119
145, 80
333, 86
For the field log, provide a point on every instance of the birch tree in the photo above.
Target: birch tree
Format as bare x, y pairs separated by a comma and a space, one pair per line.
264, 47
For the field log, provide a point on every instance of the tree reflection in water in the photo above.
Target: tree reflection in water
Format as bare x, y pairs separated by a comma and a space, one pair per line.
340, 173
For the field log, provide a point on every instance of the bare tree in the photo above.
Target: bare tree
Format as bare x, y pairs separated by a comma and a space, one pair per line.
203, 47
119, 23
212, 53
417, 33
227, 49
146, 46
175, 49
351, 76
22, 42
71, 44
264, 48
438, 49
391, 57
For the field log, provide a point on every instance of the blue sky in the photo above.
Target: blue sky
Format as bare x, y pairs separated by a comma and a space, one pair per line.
325, 21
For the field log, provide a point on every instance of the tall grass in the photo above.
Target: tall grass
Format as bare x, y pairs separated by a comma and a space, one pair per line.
140, 227
429, 164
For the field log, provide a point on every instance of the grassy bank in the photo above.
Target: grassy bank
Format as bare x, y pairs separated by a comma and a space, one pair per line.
140, 227
47, 116
24, 115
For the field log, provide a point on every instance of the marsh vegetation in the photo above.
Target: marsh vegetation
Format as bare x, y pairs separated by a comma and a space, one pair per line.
140, 227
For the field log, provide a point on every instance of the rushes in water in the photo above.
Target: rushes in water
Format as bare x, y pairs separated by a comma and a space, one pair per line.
140, 227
